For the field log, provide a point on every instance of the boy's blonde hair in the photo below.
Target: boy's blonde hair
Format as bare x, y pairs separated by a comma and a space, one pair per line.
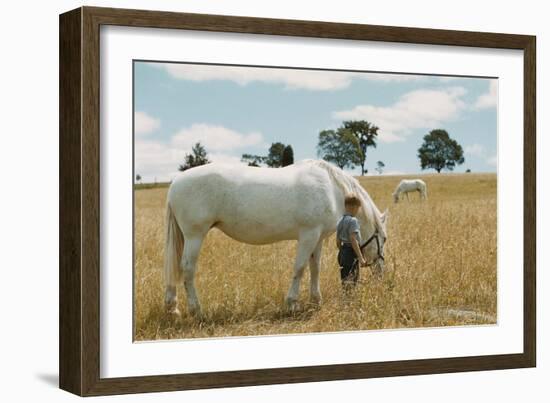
352, 201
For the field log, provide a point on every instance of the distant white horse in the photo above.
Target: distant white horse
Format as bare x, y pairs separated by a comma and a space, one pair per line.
410, 185
257, 206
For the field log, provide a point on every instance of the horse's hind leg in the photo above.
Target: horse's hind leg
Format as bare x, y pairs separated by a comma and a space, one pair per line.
171, 300
315, 269
189, 265
306, 246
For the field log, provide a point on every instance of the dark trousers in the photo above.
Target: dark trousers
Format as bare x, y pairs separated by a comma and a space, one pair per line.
349, 265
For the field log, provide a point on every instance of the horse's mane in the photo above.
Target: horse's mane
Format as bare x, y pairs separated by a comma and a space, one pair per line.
349, 185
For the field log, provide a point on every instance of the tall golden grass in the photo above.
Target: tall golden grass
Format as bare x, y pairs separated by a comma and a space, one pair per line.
440, 270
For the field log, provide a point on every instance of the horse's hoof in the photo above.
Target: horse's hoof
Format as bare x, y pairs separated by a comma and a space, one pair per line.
173, 313
291, 305
315, 300
195, 312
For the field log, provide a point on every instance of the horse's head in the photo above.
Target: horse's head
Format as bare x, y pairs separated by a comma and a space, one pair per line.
374, 242
395, 196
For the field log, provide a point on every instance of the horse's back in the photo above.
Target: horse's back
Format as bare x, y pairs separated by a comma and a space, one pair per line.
409, 183
219, 180
247, 202
420, 183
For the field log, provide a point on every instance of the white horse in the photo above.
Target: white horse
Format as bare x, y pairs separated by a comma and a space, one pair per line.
258, 206
410, 185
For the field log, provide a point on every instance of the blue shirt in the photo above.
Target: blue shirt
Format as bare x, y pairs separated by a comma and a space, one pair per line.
347, 225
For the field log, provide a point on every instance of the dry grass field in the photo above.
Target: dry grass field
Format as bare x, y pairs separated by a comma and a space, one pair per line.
440, 270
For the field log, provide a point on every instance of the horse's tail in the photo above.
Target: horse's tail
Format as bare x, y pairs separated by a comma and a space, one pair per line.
173, 249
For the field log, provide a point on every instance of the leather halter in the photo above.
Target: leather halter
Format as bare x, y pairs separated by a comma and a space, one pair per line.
378, 249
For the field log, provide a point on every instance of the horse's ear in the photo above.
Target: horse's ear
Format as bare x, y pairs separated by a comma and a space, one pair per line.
384, 216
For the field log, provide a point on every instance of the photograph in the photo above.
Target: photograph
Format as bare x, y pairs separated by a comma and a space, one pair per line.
271, 200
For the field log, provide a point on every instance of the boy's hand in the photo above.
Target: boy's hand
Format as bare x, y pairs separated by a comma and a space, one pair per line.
357, 249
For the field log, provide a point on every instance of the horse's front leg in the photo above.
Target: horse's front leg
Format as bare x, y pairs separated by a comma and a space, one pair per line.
306, 245
315, 270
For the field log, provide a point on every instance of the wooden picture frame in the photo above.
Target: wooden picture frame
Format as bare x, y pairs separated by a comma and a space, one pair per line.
79, 358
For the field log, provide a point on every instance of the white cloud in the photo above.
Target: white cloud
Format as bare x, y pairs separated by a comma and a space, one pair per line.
448, 79
215, 138
315, 80
490, 98
477, 150
389, 77
158, 161
145, 124
414, 110
225, 159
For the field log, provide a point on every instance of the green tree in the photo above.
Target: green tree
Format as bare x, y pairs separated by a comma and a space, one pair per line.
439, 151
366, 134
198, 157
288, 156
278, 156
138, 177
339, 147
380, 167
253, 160
275, 155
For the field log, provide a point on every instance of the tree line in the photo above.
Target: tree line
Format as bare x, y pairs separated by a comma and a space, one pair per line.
279, 155
346, 147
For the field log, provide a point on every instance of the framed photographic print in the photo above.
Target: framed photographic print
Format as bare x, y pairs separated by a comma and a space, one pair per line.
249, 201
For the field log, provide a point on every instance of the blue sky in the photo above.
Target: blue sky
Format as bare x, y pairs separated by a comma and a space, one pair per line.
234, 110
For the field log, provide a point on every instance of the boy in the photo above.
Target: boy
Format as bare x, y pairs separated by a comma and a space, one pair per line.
348, 239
